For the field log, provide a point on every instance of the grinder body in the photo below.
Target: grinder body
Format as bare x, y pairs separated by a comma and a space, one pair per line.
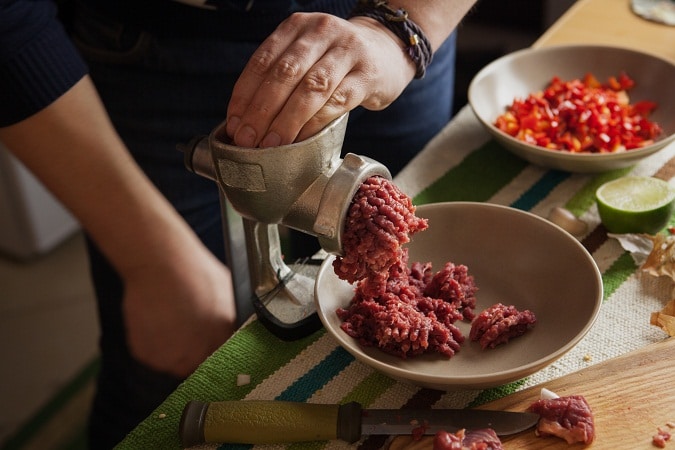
305, 186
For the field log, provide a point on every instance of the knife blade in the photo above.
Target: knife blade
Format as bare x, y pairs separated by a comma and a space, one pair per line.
275, 422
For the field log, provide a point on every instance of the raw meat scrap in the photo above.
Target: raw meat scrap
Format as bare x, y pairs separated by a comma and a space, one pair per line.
661, 437
569, 418
483, 439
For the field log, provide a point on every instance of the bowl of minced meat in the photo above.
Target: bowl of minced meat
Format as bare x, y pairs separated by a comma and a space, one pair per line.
454, 295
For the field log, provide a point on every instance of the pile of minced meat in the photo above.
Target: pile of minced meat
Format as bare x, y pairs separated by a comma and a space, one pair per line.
407, 309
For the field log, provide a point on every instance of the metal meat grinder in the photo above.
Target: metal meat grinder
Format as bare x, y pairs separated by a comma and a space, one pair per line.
305, 186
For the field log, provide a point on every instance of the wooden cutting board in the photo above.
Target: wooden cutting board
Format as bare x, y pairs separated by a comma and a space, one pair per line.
631, 397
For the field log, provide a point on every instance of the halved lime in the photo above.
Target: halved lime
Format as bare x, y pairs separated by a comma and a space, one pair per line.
635, 204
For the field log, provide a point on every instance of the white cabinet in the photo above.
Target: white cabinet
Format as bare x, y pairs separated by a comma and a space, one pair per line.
32, 221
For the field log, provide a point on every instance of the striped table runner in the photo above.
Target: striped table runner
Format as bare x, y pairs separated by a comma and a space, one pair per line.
461, 163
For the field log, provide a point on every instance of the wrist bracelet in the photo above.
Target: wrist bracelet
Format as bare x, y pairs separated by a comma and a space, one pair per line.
417, 45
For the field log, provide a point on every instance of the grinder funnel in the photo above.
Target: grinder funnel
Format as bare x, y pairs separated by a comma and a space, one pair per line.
305, 186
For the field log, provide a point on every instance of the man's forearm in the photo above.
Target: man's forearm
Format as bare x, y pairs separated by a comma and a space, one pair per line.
74, 150
437, 18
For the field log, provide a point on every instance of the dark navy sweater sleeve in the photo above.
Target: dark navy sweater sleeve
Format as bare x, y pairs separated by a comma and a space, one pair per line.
38, 62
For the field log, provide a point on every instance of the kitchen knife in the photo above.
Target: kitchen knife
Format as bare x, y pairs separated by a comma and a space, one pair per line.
275, 422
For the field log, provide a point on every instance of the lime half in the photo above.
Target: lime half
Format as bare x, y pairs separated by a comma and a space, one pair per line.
635, 204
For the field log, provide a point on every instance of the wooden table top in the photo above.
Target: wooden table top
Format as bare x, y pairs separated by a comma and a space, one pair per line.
610, 22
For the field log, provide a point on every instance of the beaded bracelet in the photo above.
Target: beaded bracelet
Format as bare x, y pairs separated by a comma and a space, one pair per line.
417, 45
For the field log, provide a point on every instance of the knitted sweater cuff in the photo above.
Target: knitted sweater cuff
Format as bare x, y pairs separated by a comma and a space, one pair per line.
38, 73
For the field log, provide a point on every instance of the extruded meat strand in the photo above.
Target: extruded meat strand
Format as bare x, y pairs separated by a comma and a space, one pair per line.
404, 311
500, 323
380, 220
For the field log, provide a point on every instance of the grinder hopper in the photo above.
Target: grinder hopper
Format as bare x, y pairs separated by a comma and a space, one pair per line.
305, 186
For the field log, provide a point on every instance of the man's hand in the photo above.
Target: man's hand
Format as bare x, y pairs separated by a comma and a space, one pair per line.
177, 315
314, 68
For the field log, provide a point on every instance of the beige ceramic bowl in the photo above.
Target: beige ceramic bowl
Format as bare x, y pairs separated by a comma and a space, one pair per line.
516, 258
518, 74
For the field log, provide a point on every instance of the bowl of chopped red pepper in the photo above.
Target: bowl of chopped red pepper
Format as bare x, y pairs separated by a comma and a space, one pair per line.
577, 108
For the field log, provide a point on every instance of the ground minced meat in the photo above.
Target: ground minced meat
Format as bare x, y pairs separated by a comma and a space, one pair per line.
454, 285
402, 320
500, 323
407, 310
403, 310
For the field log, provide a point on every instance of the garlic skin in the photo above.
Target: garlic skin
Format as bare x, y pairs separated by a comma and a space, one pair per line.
568, 221
547, 394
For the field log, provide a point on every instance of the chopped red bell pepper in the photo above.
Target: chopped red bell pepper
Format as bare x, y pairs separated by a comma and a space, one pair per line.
582, 115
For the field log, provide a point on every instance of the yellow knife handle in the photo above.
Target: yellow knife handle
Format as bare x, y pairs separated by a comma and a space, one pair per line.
268, 422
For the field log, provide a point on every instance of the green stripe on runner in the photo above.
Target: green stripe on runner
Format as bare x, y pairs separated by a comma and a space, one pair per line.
496, 393
242, 358
624, 266
617, 273
369, 389
216, 379
584, 199
459, 183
